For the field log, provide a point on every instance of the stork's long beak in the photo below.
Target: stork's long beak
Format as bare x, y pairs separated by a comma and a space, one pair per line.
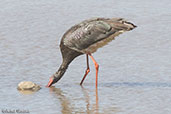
50, 82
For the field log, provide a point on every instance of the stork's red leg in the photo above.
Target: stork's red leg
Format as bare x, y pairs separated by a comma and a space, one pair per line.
97, 68
87, 70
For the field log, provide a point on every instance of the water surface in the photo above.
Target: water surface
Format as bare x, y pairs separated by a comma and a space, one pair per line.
134, 75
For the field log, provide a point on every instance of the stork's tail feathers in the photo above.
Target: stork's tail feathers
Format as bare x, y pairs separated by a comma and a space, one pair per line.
129, 25
123, 24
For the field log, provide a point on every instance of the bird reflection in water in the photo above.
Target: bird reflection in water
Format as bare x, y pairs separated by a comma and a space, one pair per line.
95, 108
65, 103
67, 107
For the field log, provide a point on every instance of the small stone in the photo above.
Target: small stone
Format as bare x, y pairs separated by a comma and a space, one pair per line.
28, 85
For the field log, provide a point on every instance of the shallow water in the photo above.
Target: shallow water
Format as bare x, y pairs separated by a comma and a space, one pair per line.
134, 75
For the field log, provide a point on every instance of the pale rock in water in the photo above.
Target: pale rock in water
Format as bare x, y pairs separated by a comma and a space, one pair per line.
28, 85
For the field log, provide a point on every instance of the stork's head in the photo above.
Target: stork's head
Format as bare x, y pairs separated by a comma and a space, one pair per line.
52, 80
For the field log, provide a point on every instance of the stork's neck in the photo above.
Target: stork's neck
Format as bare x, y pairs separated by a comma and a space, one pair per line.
68, 56
62, 69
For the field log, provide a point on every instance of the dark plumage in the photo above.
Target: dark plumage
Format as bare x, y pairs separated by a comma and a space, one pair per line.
85, 38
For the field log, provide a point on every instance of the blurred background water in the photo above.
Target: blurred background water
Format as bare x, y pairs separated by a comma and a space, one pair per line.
135, 69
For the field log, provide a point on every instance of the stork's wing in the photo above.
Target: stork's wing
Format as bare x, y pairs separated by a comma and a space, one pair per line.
92, 31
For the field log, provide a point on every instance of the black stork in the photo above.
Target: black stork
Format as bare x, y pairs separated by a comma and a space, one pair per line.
85, 38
